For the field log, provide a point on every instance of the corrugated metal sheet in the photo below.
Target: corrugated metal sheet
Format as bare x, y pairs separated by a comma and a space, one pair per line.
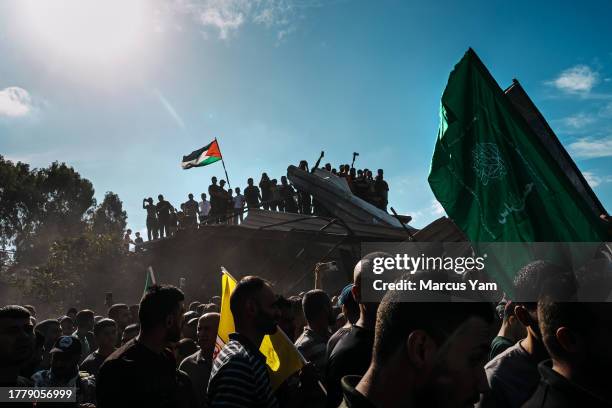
261, 219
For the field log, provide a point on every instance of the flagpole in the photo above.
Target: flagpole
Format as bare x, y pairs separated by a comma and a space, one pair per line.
224, 169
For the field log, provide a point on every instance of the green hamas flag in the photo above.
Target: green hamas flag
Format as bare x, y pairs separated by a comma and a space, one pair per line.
493, 176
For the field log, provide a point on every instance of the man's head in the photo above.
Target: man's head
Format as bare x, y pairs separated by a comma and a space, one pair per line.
577, 335
161, 309
128, 232
237, 190
513, 327
105, 332
284, 180
250, 181
150, 200
318, 309
65, 356
85, 320
254, 304
193, 306
137, 234
203, 196
190, 327
349, 306
31, 309
363, 267
534, 281
380, 173
16, 336
328, 166
207, 332
71, 313
120, 313
67, 325
213, 180
160, 198
222, 183
190, 196
129, 333
440, 349
50, 328
287, 318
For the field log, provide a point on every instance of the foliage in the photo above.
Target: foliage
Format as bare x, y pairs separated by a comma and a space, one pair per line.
58, 247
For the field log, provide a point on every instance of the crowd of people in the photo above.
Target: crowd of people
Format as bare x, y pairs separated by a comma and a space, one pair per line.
392, 353
228, 206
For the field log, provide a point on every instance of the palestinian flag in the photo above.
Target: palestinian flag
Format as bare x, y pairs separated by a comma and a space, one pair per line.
202, 157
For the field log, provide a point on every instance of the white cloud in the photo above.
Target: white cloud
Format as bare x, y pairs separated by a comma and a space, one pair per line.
437, 209
589, 148
594, 180
15, 102
228, 16
576, 80
578, 120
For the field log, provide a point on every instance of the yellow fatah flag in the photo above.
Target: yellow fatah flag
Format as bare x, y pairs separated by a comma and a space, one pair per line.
282, 357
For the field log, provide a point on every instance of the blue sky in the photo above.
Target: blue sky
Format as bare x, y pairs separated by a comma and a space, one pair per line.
121, 90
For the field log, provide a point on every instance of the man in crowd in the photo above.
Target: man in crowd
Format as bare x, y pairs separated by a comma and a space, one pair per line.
427, 354
16, 345
513, 374
509, 333
130, 332
138, 241
287, 196
71, 313
319, 317
238, 206
152, 224
190, 326
191, 212
85, 324
252, 195
120, 313
64, 371
350, 310
223, 202
381, 188
198, 365
215, 200
353, 353
163, 216
105, 332
204, 207
127, 240
577, 337
50, 328
253, 305
143, 372
67, 325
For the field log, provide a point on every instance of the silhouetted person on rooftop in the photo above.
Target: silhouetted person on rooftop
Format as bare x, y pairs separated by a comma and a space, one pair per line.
152, 225
215, 201
287, 195
266, 193
163, 216
252, 195
191, 212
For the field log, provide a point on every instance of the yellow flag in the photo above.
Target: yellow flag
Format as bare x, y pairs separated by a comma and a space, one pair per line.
282, 358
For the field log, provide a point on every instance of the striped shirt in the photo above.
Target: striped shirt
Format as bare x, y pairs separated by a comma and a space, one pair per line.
239, 377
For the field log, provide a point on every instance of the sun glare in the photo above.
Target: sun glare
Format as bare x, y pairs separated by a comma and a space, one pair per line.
90, 31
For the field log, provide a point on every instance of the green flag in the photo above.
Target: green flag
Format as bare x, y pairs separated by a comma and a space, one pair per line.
493, 176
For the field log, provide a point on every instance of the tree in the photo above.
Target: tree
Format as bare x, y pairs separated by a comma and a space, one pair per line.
109, 217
